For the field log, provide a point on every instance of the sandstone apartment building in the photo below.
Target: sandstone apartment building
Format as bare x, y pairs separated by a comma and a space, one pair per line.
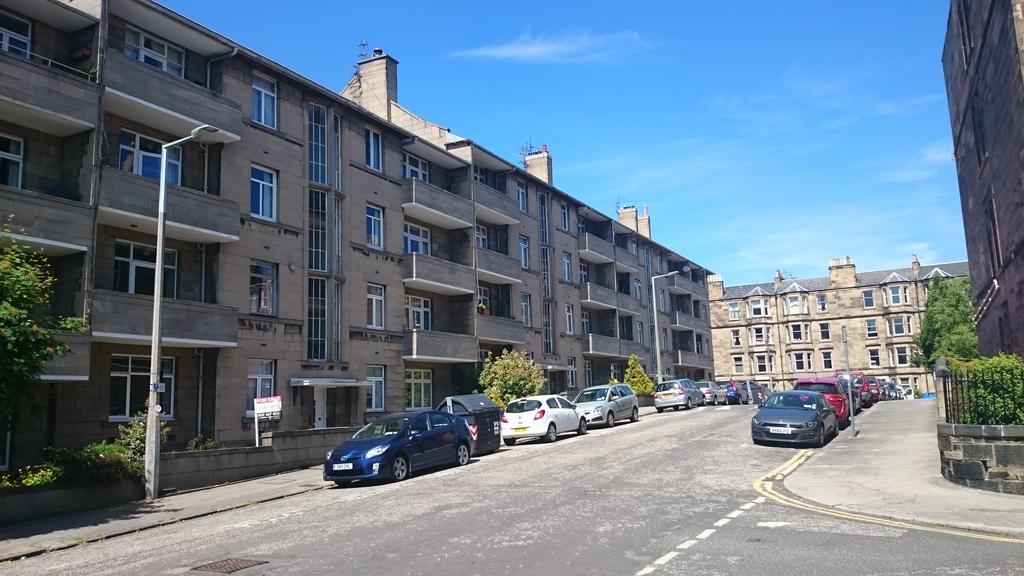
775, 332
331, 248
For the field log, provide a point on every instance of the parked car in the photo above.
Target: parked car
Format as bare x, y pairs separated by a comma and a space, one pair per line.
605, 404
875, 388
845, 384
860, 382
677, 394
833, 392
395, 446
707, 388
755, 394
540, 417
795, 417
721, 391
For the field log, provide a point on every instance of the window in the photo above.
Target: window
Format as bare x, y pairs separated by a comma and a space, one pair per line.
339, 237
415, 168
375, 306
375, 395
662, 300
824, 332
523, 196
418, 384
584, 273
615, 371
135, 269
899, 325
526, 309
417, 240
585, 321
262, 287
759, 335
147, 49
572, 372
734, 311
759, 307
316, 319
524, 251
822, 303
372, 143
417, 313
129, 386
549, 339
640, 332
374, 226
141, 155
737, 364
264, 101
261, 382
484, 296
570, 320
796, 332
318, 230
563, 216
873, 359
871, 328
795, 304
897, 295
15, 38
317, 150
869, 298
764, 363
588, 373
638, 289
481, 237
12, 151
545, 270
262, 192
336, 328
800, 361
336, 136
567, 266
735, 336
542, 213
826, 359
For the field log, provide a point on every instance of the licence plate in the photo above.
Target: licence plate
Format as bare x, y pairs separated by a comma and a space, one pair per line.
520, 429
774, 430
343, 466
666, 394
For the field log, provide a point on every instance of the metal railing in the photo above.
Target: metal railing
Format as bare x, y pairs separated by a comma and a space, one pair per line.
992, 396
45, 62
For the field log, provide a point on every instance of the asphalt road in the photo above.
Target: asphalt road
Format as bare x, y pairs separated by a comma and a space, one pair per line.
671, 494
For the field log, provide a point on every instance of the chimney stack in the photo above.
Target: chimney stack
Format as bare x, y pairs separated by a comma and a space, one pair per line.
638, 221
539, 165
842, 273
375, 85
716, 288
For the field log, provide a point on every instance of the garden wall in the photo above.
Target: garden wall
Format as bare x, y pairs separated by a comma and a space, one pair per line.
986, 457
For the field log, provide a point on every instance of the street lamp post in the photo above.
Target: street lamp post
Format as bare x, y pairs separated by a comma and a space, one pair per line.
152, 458
657, 334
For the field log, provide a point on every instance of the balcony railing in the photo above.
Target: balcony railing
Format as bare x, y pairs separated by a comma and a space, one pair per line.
434, 346
497, 329
597, 296
122, 317
494, 206
46, 95
594, 249
437, 275
688, 358
432, 204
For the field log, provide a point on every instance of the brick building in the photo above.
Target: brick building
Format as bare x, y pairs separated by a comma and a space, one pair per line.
775, 332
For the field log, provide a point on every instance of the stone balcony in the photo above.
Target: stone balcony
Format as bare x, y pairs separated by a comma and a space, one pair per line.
128, 319
434, 346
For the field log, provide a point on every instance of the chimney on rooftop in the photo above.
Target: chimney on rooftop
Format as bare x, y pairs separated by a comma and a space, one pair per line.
637, 220
375, 85
539, 164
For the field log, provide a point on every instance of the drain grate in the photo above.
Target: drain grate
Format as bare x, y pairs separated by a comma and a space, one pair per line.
228, 565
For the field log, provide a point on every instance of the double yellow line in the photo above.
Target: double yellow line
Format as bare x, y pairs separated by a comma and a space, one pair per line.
765, 486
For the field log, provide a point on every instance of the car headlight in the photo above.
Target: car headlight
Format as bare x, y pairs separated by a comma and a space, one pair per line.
757, 422
376, 451
809, 424
328, 457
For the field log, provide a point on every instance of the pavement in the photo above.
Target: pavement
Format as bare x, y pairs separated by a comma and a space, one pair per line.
891, 469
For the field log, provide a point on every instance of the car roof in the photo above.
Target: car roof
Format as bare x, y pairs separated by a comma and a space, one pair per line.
543, 397
595, 387
795, 392
816, 380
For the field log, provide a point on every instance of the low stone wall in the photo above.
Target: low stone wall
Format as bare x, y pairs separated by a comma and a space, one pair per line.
24, 504
986, 457
280, 452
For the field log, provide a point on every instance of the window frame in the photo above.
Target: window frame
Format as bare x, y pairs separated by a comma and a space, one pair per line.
18, 159
735, 338
523, 197
273, 286
526, 308
482, 237
415, 168
258, 376
826, 360
737, 364
425, 385
316, 319
874, 357
374, 227
563, 216
264, 95
824, 332
316, 155
821, 302
376, 306
567, 267
141, 51
167, 408
734, 311
375, 398
418, 235
570, 319
6, 34
133, 264
421, 308
262, 187
373, 144
336, 130
871, 325
139, 155
524, 252
316, 250
866, 297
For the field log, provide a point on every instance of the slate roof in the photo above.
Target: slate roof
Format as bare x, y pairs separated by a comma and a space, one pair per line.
870, 278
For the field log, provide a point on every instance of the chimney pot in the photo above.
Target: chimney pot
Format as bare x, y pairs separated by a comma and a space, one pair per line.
378, 51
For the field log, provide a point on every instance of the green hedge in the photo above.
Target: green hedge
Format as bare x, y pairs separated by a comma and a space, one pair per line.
99, 463
995, 390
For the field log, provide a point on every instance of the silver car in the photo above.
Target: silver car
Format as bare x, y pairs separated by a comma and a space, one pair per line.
708, 390
606, 404
677, 394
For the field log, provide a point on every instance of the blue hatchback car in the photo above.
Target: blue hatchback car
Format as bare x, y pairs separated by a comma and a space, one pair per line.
394, 446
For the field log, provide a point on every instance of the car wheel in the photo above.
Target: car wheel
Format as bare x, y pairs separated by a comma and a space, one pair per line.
660, 410
399, 468
582, 428
609, 419
687, 405
820, 440
675, 408
552, 434
510, 441
341, 483
635, 417
462, 455
716, 400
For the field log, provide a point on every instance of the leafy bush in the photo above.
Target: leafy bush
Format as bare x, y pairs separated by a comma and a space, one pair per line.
202, 443
97, 463
509, 376
637, 379
995, 391
132, 435
31, 476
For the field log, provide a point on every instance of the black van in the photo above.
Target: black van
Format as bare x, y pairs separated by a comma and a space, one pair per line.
483, 416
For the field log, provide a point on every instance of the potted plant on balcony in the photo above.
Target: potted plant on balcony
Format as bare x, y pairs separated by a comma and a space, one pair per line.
482, 309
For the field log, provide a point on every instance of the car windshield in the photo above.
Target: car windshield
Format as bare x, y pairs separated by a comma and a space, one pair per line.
592, 395
381, 428
792, 402
523, 406
823, 388
667, 386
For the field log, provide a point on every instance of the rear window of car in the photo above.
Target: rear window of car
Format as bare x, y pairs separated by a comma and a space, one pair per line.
823, 388
667, 386
523, 406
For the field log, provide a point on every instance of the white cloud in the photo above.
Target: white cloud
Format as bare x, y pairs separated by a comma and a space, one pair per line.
566, 47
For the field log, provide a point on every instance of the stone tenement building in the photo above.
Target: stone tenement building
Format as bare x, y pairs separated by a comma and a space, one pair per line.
333, 249
777, 331
985, 87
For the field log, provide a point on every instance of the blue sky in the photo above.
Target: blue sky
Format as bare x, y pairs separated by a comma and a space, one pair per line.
762, 135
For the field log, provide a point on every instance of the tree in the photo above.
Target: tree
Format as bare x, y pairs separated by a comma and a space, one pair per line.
947, 329
637, 378
509, 376
28, 332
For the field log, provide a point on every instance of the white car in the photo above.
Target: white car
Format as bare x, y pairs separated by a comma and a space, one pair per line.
540, 417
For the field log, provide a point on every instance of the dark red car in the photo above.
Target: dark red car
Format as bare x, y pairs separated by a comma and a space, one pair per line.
860, 384
876, 389
832, 390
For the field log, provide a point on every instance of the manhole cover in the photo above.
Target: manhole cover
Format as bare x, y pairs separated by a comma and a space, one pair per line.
228, 565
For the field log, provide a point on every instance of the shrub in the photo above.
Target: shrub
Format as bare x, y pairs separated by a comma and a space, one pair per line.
509, 376
200, 443
995, 391
637, 379
132, 435
97, 463
31, 476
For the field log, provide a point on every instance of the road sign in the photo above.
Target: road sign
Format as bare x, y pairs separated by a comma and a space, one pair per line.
266, 408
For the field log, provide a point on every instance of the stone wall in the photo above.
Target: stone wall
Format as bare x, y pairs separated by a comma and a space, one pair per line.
986, 457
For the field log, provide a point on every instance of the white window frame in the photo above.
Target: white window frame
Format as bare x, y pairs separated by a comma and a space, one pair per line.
824, 331
416, 239
639, 332
796, 332
615, 371
737, 364
418, 313
567, 267
764, 363
585, 327
866, 296
483, 295
542, 216
374, 226
588, 373
419, 384
571, 361
336, 325
167, 407
136, 49
375, 393
892, 326
415, 168
317, 245
759, 307
822, 303
138, 156
526, 308
826, 360
800, 361
734, 310
265, 210
523, 197
638, 289
259, 379
6, 35
481, 235
547, 330
584, 272
374, 148
524, 252
871, 328
793, 305
874, 357
338, 233
266, 279
570, 319
896, 295
735, 337
17, 159
376, 309
563, 216
317, 152
316, 319
264, 100
170, 266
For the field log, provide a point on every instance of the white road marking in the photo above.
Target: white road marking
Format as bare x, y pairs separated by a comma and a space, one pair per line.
721, 523
759, 499
748, 505
645, 571
723, 408
664, 559
686, 544
704, 535
734, 513
772, 524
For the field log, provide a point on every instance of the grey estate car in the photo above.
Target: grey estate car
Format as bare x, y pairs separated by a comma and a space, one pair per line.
677, 393
606, 404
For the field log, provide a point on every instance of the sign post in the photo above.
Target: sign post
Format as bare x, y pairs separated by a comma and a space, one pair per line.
849, 377
269, 408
